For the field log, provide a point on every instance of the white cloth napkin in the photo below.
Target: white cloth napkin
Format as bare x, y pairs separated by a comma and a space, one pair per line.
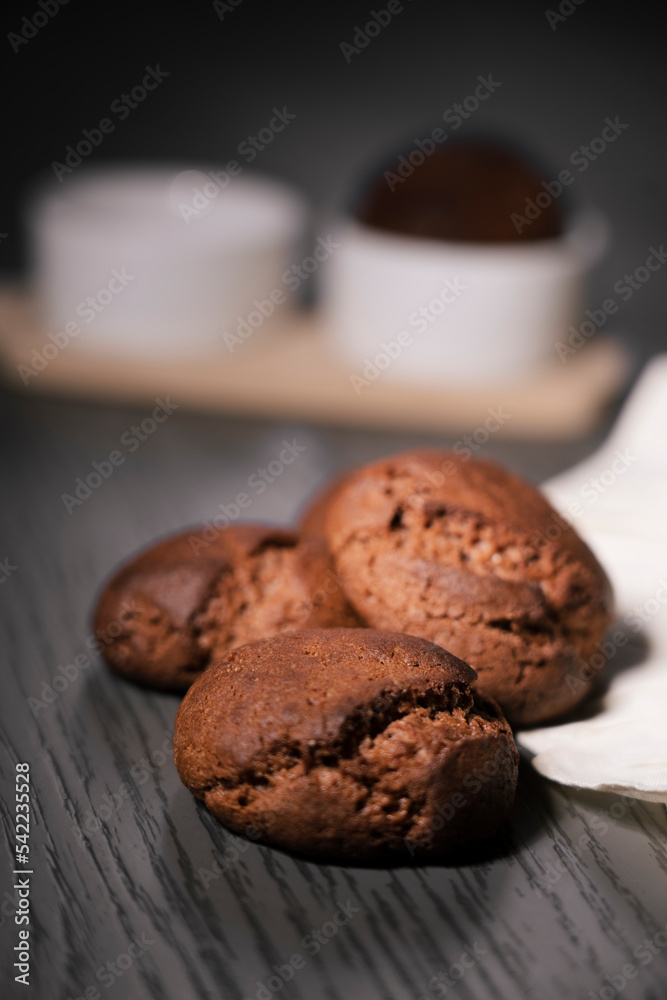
619, 498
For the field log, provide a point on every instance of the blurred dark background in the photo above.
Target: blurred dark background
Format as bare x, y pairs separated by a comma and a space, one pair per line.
229, 65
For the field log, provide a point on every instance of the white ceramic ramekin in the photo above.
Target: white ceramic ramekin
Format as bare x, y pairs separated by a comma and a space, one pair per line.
172, 259
429, 311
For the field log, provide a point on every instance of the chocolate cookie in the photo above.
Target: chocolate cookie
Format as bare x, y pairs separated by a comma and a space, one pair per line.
466, 554
348, 744
466, 190
311, 531
185, 602
313, 516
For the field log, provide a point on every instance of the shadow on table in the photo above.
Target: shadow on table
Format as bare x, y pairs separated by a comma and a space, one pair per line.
621, 659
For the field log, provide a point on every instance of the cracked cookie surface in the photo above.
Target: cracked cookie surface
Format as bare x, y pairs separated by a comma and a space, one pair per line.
183, 603
461, 552
347, 743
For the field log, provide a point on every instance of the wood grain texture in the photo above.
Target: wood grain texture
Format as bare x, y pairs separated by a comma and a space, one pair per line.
291, 373
564, 898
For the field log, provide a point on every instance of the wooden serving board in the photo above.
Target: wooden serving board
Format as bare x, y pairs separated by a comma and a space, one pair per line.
289, 374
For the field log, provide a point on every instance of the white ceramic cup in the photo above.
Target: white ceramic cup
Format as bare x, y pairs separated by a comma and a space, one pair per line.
172, 259
447, 312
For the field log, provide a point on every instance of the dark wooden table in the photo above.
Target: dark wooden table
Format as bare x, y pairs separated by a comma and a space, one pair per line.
137, 892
